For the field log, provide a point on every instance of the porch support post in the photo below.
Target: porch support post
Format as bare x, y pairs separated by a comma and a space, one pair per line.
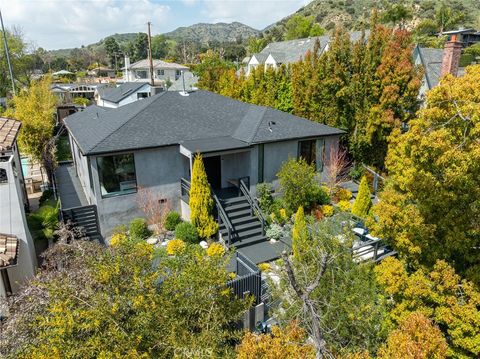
191, 165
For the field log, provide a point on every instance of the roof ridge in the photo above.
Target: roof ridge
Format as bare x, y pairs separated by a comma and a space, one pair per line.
142, 108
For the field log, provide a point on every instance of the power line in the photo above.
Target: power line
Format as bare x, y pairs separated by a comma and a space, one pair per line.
7, 54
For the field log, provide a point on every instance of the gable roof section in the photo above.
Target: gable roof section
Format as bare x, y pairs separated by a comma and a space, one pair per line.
293, 50
171, 119
157, 64
117, 94
431, 60
9, 129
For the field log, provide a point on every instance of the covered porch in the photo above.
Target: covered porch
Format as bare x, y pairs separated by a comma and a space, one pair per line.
225, 159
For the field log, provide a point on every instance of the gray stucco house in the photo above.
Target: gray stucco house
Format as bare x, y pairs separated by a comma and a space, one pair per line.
151, 143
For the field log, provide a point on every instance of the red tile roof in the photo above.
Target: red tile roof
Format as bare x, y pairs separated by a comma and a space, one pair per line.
8, 133
8, 250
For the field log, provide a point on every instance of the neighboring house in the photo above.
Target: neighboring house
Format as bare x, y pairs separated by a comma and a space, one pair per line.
439, 62
186, 82
123, 94
151, 144
430, 59
286, 52
102, 72
17, 253
67, 92
162, 71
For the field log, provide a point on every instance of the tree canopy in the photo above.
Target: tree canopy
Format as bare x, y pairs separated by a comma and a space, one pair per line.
127, 300
429, 208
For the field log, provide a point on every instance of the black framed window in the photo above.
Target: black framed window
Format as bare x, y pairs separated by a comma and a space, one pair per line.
261, 156
312, 151
117, 174
308, 151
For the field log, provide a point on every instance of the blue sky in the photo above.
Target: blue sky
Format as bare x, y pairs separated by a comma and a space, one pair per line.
53, 24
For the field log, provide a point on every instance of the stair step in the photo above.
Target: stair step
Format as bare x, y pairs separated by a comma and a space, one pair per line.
236, 206
243, 219
249, 241
239, 214
235, 200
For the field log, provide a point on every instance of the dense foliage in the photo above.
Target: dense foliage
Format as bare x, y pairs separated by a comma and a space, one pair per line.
94, 301
430, 207
368, 87
439, 294
35, 108
283, 343
346, 298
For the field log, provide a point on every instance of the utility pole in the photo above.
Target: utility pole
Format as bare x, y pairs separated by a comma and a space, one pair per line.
7, 53
152, 83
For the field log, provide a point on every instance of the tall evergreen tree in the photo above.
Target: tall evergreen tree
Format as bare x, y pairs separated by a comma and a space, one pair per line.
201, 202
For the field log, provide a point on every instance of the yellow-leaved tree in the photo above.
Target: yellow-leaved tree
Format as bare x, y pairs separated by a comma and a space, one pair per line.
416, 338
286, 343
438, 294
299, 234
430, 206
201, 202
35, 108
363, 202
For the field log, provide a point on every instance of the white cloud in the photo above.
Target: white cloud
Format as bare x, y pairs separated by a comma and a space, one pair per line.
256, 13
55, 24
59, 24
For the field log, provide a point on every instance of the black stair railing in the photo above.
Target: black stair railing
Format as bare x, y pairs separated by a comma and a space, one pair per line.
223, 218
256, 211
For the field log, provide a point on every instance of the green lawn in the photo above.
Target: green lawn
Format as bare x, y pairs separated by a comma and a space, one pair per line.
63, 149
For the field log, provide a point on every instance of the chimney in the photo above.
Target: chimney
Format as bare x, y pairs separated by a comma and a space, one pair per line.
451, 56
127, 69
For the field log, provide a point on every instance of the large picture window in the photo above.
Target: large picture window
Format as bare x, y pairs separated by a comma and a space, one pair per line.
117, 174
312, 151
141, 74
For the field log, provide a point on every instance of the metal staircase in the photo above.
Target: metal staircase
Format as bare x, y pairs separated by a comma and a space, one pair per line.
245, 217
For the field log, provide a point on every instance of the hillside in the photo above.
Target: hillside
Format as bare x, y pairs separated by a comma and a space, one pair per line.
122, 40
353, 13
220, 32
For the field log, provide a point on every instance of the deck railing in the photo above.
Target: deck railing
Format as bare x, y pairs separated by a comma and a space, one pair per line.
249, 279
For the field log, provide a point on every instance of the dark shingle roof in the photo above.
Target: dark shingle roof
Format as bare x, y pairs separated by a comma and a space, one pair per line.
431, 60
170, 119
117, 94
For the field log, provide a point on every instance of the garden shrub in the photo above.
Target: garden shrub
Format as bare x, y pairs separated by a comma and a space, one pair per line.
357, 172
176, 246
138, 229
274, 231
44, 221
318, 195
363, 202
117, 239
46, 195
264, 196
343, 194
215, 250
328, 210
298, 184
344, 206
265, 267
187, 232
120, 229
172, 220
